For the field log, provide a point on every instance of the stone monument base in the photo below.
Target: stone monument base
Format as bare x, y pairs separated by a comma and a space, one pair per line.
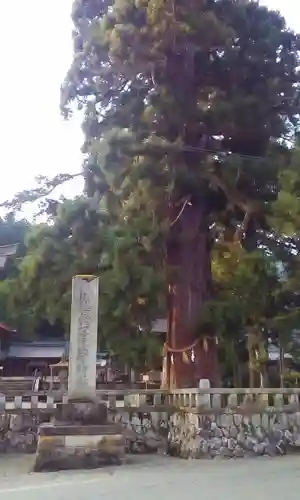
63, 447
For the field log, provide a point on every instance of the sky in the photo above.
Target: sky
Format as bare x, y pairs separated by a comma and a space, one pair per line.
36, 52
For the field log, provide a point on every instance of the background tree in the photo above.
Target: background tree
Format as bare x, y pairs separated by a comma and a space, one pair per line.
256, 294
12, 231
254, 301
78, 240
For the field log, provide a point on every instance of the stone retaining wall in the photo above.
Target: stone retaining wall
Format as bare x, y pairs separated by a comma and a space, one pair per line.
18, 432
227, 433
233, 435
144, 432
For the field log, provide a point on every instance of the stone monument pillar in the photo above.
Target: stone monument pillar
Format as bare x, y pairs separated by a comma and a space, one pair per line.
80, 436
83, 338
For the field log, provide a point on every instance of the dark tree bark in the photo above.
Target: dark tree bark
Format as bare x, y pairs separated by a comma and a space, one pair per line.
190, 258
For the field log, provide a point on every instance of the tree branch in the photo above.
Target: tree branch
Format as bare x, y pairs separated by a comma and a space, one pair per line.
181, 211
232, 195
234, 198
46, 187
242, 228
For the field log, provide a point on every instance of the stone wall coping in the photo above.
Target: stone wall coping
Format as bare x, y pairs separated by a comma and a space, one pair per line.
223, 390
238, 410
58, 395
161, 400
80, 430
220, 390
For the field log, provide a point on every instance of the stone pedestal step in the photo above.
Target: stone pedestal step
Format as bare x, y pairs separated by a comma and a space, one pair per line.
63, 447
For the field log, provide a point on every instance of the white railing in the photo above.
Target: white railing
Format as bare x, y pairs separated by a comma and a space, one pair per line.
200, 400
216, 399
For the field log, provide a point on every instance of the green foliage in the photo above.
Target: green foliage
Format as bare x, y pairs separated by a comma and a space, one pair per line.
127, 73
79, 240
252, 289
12, 231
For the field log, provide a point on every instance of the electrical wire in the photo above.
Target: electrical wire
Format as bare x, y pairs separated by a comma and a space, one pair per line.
217, 152
221, 153
195, 149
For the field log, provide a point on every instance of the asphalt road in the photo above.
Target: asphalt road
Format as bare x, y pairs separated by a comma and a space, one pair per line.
158, 478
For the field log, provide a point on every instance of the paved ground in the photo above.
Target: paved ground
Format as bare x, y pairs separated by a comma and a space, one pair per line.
157, 478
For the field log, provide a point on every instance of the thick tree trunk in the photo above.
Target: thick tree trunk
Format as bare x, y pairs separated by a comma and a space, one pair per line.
189, 256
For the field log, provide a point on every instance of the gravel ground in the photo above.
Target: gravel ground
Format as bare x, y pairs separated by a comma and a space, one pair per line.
154, 478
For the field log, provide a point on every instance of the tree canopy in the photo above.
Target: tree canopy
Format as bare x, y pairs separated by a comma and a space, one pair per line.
184, 106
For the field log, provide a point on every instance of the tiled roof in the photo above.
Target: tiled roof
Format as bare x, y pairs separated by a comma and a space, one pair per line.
7, 328
35, 351
8, 250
